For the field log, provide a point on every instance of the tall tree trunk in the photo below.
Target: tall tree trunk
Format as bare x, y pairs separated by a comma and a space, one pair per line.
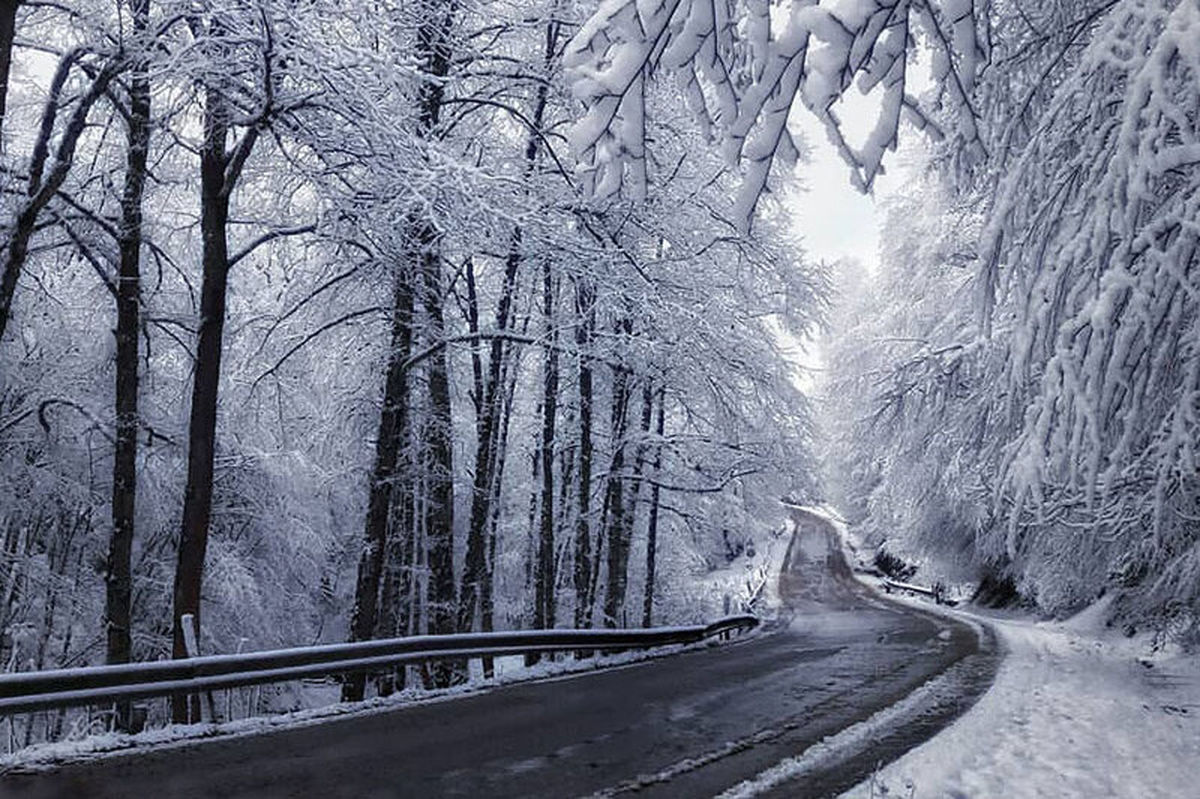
487, 586
8, 27
417, 570
472, 314
394, 607
440, 508
586, 320
621, 529
119, 577
652, 524
202, 423
544, 577
487, 447
433, 52
614, 502
219, 172
391, 437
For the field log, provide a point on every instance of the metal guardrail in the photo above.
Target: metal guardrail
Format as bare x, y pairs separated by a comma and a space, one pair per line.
26, 692
937, 592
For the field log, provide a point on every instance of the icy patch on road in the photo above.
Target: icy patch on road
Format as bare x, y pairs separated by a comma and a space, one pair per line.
1076, 710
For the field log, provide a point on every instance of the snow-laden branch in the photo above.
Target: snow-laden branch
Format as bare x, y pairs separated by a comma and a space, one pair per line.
741, 68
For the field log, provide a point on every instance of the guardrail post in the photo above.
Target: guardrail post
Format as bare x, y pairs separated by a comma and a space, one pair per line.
193, 651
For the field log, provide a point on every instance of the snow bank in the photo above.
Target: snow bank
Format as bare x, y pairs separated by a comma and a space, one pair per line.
1076, 710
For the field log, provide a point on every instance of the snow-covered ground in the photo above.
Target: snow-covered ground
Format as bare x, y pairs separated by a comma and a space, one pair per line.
1077, 710
748, 584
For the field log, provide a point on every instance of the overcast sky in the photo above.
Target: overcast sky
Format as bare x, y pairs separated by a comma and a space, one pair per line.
836, 220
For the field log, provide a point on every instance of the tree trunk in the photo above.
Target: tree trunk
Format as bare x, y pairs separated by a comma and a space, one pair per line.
652, 524
8, 27
543, 616
487, 586
614, 503
202, 423
433, 52
487, 448
219, 171
392, 435
586, 313
394, 607
440, 508
621, 529
119, 577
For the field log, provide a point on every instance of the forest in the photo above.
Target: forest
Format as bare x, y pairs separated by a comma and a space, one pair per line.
331, 320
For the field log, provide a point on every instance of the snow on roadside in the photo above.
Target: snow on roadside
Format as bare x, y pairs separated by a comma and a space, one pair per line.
1076, 710
747, 584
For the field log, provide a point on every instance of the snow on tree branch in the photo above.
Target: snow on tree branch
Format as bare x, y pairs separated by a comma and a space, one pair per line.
742, 65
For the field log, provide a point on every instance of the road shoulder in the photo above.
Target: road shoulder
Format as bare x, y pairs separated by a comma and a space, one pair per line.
1076, 710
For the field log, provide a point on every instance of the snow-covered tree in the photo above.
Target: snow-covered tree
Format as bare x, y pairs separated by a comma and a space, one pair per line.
744, 65
1085, 186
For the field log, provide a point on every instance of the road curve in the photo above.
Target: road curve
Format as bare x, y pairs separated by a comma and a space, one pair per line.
692, 725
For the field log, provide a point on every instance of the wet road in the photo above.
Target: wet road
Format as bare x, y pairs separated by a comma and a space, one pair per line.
691, 725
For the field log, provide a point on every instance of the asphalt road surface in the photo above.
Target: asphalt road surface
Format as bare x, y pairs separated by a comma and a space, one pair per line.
691, 725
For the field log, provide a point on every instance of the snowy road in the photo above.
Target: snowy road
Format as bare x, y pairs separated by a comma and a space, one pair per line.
694, 725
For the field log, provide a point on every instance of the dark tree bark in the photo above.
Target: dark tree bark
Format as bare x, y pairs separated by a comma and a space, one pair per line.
477, 569
621, 527
585, 323
119, 577
439, 518
39, 191
614, 500
487, 447
8, 28
471, 312
487, 586
544, 573
391, 437
220, 169
652, 523
434, 53
394, 606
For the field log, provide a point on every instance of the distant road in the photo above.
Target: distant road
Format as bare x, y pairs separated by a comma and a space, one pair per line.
691, 725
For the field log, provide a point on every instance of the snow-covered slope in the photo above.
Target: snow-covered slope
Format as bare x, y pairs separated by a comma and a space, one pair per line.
1076, 711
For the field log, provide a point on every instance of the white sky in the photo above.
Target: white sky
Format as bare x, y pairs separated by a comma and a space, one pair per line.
836, 220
